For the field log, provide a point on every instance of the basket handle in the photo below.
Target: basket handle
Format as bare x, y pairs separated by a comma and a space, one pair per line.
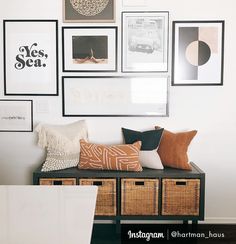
57, 182
139, 183
97, 183
181, 183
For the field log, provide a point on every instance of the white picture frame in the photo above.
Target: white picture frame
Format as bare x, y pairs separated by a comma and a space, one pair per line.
145, 41
89, 96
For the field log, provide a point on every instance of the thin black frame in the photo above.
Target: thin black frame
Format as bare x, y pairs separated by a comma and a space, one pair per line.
173, 53
111, 115
89, 27
31, 113
122, 44
91, 20
4, 57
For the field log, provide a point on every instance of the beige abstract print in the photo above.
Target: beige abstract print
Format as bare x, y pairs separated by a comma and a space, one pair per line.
89, 7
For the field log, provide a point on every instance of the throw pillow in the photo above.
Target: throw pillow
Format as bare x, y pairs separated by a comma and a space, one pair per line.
150, 139
149, 157
117, 157
173, 149
62, 143
56, 160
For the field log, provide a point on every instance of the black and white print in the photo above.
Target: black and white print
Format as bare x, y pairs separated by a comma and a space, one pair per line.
145, 41
30, 57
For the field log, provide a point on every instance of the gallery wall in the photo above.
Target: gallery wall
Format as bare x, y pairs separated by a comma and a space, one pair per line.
209, 109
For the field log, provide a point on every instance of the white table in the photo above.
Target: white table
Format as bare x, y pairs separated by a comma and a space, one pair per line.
46, 214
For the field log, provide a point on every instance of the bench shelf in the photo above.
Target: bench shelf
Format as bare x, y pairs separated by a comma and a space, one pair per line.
169, 194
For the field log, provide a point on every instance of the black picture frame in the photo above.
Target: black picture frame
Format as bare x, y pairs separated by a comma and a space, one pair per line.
115, 96
8, 120
84, 38
145, 41
29, 58
198, 53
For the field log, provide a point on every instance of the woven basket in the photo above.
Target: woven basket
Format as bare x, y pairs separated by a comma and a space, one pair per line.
106, 198
180, 196
57, 181
139, 197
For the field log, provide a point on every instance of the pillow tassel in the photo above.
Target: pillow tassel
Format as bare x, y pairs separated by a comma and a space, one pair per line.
42, 137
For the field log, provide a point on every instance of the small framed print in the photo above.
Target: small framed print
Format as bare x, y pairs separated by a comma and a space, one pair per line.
145, 41
115, 96
89, 49
198, 53
30, 57
16, 115
89, 11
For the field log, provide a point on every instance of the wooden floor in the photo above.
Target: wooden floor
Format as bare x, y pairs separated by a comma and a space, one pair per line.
105, 234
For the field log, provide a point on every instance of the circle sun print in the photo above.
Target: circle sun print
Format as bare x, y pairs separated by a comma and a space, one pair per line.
198, 53
89, 7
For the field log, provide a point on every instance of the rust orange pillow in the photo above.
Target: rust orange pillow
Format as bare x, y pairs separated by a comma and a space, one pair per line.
174, 147
118, 157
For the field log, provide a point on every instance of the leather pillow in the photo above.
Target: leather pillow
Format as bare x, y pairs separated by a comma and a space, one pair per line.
174, 147
117, 157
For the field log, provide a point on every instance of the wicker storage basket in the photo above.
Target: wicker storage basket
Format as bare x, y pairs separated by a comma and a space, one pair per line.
180, 196
57, 181
139, 197
106, 198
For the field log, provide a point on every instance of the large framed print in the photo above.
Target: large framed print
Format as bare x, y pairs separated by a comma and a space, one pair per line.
89, 49
114, 96
30, 57
198, 53
145, 41
16, 115
89, 11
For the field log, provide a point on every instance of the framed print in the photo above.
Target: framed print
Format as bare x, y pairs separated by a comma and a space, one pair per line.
114, 96
89, 11
145, 41
89, 49
197, 53
16, 115
31, 57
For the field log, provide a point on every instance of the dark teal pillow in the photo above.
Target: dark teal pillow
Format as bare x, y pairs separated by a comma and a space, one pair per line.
150, 139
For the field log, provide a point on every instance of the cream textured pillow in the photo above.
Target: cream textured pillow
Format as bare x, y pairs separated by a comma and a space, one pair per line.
62, 143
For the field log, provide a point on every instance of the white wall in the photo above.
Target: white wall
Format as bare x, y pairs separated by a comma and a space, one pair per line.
210, 110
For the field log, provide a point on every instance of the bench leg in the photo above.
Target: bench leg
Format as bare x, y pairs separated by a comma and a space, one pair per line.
118, 227
194, 222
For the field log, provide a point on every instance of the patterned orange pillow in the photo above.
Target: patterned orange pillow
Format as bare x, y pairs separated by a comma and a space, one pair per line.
118, 157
